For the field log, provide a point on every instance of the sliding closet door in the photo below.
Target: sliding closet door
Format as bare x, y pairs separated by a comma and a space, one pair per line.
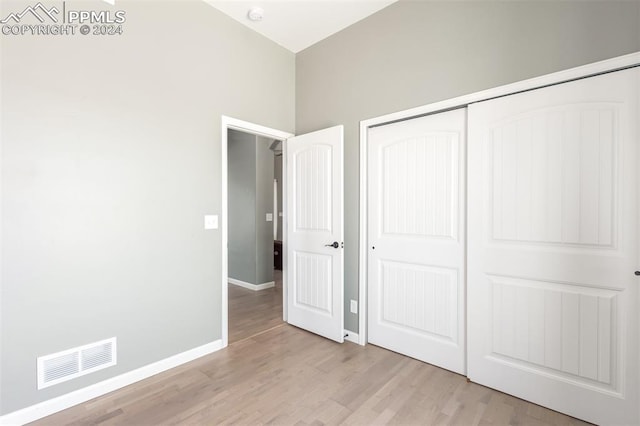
416, 238
553, 246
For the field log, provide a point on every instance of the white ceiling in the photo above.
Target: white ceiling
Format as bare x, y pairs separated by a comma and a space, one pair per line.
297, 24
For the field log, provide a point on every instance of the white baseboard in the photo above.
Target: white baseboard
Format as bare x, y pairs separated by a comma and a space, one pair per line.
350, 336
254, 287
54, 405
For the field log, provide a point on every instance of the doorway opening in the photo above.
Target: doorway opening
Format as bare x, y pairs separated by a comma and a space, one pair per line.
254, 275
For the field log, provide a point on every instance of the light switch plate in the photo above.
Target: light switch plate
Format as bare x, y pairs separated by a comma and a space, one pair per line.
269, 217
211, 221
354, 306
280, 214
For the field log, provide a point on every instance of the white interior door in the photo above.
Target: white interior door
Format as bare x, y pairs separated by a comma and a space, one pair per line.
416, 236
315, 254
553, 246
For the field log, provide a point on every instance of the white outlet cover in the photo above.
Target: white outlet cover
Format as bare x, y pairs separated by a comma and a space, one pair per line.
211, 221
354, 306
269, 217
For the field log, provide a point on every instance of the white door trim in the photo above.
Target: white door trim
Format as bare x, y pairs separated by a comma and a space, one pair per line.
620, 62
256, 129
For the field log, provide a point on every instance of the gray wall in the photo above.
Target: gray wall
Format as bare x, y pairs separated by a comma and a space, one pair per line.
415, 53
110, 158
250, 180
264, 205
278, 175
241, 154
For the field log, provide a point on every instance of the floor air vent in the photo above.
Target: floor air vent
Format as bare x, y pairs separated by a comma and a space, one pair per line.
66, 365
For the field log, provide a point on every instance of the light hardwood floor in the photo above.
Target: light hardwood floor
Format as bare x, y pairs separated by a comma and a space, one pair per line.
252, 312
287, 376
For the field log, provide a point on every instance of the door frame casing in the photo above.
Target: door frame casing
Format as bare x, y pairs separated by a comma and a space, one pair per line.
584, 71
229, 123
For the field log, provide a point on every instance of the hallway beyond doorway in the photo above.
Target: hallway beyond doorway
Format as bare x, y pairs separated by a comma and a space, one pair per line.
253, 312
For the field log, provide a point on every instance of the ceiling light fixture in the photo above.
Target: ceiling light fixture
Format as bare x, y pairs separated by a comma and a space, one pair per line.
255, 14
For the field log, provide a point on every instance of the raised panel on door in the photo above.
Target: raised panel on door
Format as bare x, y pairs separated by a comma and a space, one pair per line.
315, 218
553, 246
416, 237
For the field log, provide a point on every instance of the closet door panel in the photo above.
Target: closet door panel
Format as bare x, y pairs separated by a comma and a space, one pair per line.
416, 279
553, 246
